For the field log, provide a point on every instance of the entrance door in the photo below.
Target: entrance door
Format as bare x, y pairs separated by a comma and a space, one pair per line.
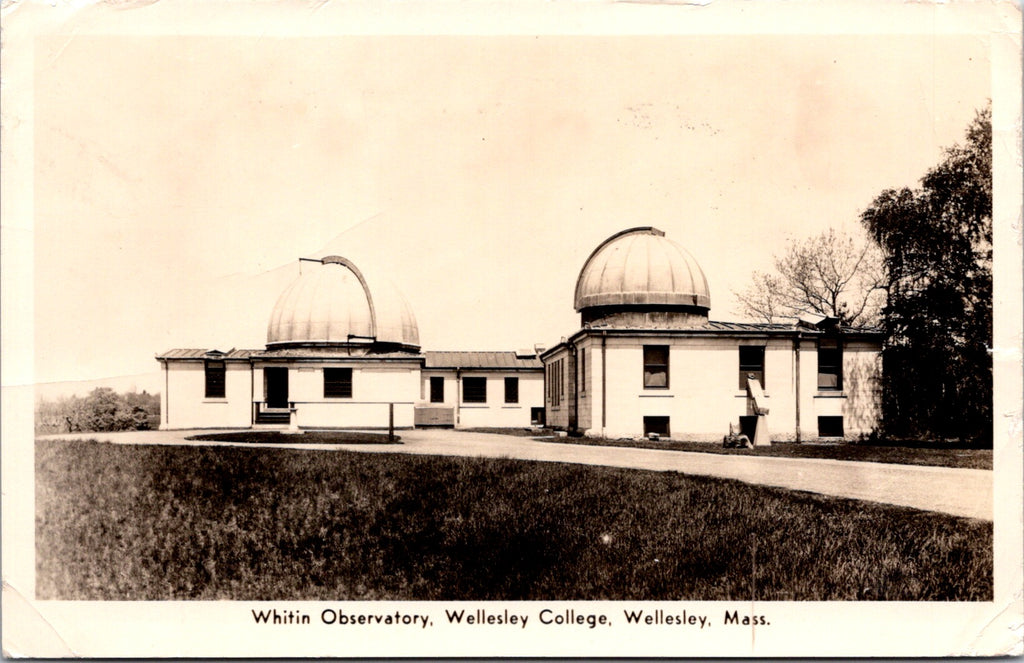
275, 383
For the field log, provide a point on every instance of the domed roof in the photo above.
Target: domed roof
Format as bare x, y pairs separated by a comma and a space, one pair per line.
641, 266
332, 302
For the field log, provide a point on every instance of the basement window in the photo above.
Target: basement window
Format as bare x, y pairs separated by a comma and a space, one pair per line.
511, 390
655, 367
474, 390
214, 379
751, 364
337, 383
830, 364
657, 425
437, 390
830, 427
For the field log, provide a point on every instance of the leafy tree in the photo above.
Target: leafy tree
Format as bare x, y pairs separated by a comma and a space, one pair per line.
937, 243
102, 410
833, 274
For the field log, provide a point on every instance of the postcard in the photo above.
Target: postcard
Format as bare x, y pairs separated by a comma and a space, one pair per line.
491, 329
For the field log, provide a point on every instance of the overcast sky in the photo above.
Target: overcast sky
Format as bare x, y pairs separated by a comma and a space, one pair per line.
179, 179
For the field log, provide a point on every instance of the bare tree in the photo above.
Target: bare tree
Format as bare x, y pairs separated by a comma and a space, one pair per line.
832, 274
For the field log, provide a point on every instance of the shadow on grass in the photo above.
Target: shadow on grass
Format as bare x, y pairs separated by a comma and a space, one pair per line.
305, 437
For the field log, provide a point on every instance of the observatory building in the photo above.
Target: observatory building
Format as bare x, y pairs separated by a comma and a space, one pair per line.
343, 351
648, 361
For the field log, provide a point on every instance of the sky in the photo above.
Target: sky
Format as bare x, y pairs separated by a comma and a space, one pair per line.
179, 179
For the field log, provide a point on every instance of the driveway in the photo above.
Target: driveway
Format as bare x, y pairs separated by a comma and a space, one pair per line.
959, 492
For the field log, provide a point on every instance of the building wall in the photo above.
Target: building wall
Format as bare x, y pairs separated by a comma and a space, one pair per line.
495, 413
862, 387
584, 386
704, 394
375, 385
556, 408
185, 404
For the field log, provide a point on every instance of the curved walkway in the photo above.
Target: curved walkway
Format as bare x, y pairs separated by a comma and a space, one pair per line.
959, 492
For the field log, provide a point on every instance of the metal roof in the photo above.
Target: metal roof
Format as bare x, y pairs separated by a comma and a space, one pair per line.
333, 301
195, 353
641, 266
750, 326
725, 329
330, 353
480, 360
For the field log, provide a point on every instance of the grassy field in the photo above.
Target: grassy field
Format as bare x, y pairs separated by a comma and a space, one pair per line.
905, 453
162, 522
306, 437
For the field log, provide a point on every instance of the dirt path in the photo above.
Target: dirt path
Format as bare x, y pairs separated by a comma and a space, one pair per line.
959, 492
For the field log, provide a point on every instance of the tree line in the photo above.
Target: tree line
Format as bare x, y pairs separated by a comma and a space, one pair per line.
922, 272
102, 410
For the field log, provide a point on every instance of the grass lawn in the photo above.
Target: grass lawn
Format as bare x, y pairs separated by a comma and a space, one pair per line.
165, 522
305, 437
939, 455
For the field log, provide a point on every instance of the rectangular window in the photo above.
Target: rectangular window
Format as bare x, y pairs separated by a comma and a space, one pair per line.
751, 364
337, 383
214, 379
583, 370
537, 416
511, 390
830, 427
656, 425
655, 367
437, 390
555, 385
474, 390
830, 364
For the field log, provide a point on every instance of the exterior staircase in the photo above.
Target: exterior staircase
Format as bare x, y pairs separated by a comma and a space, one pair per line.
273, 417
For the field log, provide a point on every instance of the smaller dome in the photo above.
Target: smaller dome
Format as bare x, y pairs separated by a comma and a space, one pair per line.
333, 303
641, 267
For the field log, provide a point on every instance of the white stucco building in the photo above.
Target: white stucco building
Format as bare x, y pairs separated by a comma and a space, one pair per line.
647, 359
343, 352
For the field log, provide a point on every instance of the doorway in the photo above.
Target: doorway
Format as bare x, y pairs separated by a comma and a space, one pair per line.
275, 387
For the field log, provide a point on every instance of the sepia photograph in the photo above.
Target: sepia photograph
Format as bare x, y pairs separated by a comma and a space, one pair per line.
535, 340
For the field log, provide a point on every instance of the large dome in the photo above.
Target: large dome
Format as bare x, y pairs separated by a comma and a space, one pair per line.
641, 270
333, 303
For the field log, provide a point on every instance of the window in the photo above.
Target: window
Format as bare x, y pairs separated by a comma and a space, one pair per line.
830, 364
830, 427
583, 370
474, 390
655, 367
555, 385
337, 383
537, 416
656, 425
214, 379
511, 390
751, 363
437, 390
